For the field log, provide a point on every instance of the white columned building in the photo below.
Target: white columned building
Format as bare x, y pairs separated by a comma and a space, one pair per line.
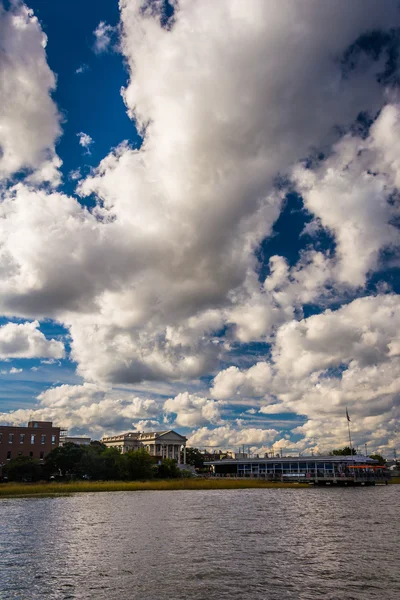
164, 444
160, 444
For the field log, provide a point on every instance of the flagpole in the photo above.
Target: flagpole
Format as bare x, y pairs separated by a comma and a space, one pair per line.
351, 445
348, 427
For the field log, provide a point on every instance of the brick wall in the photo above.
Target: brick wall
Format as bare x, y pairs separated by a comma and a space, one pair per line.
36, 440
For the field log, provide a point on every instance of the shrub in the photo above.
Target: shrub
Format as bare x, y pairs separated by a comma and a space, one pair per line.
23, 468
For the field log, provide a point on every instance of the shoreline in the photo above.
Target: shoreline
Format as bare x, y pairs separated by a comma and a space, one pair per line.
40, 490
20, 490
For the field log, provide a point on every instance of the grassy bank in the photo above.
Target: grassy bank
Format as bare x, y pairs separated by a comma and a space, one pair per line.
8, 490
14, 490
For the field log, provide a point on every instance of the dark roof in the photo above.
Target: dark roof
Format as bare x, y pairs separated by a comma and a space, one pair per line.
287, 459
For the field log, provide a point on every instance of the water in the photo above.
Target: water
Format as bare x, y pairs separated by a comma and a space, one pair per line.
203, 545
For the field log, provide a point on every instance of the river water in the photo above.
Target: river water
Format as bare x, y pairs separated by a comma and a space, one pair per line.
203, 545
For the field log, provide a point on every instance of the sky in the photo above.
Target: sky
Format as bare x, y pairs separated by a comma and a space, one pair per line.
199, 225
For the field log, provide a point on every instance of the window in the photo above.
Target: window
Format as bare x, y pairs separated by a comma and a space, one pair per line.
32, 438
21, 438
53, 439
1, 437
42, 455
35, 424
20, 453
9, 455
10, 438
31, 454
43, 440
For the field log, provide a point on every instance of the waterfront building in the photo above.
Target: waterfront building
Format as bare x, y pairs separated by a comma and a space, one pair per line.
160, 444
34, 441
313, 469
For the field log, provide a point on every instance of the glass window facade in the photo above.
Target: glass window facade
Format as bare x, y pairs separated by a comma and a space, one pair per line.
278, 468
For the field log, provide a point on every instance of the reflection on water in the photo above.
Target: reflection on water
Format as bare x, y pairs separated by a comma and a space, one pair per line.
197, 545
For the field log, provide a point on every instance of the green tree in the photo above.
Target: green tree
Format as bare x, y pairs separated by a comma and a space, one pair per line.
23, 468
99, 446
92, 463
346, 451
379, 458
168, 469
65, 460
138, 464
112, 465
185, 473
194, 457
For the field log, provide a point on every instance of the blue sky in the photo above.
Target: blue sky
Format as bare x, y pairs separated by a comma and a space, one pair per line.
89, 101
232, 270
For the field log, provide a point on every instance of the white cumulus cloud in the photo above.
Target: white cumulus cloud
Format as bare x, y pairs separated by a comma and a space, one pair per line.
321, 365
350, 194
29, 119
192, 411
89, 407
14, 371
85, 141
227, 437
104, 35
25, 340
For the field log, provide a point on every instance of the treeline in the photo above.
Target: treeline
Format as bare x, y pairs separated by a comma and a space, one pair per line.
95, 462
347, 451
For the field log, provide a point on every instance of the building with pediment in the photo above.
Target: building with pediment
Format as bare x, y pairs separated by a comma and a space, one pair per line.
160, 444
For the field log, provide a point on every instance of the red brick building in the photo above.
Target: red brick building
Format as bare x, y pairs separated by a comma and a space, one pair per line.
36, 440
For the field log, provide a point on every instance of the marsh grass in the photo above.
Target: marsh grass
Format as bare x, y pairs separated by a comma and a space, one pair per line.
8, 490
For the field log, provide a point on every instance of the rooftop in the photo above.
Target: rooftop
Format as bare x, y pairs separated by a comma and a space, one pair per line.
287, 459
139, 435
33, 425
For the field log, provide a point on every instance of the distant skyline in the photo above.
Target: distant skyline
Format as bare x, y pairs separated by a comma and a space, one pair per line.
200, 220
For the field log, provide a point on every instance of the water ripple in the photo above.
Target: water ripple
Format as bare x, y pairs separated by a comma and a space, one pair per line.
198, 545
